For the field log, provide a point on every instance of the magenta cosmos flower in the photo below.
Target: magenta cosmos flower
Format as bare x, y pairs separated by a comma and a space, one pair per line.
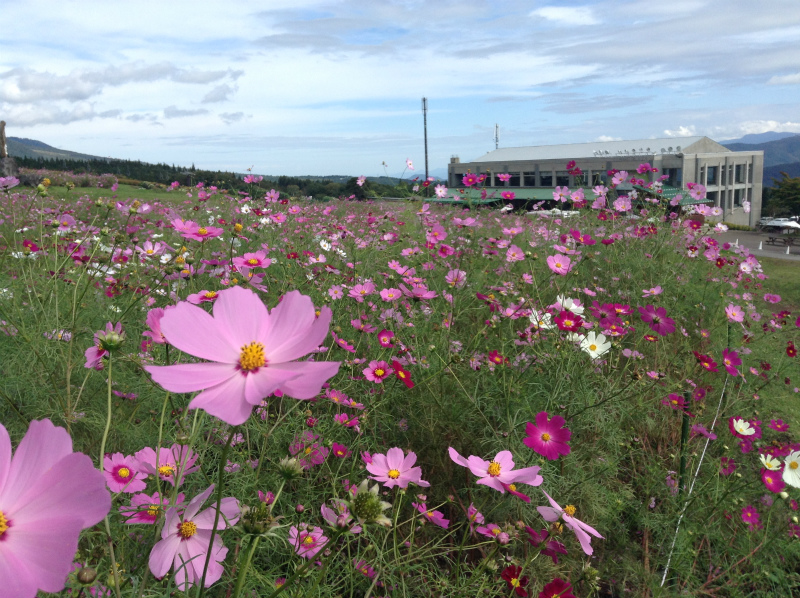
251, 352
185, 539
123, 473
307, 540
656, 318
498, 471
147, 509
549, 438
567, 515
48, 494
396, 469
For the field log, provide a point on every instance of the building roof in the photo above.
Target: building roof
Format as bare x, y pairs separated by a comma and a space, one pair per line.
609, 149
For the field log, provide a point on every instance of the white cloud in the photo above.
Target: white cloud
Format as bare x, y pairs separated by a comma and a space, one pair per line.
565, 15
762, 126
681, 132
784, 79
175, 112
607, 138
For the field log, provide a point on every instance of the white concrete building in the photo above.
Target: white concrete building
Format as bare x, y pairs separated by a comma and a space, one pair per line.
730, 178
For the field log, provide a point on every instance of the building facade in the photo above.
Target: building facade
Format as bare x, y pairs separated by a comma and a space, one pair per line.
731, 178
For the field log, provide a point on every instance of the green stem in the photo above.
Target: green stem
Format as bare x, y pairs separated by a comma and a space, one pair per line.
243, 570
220, 471
102, 456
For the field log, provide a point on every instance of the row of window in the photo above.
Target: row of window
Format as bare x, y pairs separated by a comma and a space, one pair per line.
728, 199
559, 178
730, 175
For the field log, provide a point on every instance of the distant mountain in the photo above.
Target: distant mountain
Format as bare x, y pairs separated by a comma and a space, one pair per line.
759, 138
30, 148
774, 172
781, 151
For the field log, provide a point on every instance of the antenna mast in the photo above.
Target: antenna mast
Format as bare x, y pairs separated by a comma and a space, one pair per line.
496, 136
425, 120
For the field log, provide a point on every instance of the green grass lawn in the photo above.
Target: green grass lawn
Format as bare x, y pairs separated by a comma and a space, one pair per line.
784, 280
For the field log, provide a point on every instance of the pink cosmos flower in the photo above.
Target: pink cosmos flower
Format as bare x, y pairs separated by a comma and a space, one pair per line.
340, 450
172, 464
435, 517
499, 471
147, 509
548, 438
361, 180
560, 264
251, 352
48, 494
123, 474
377, 371
153, 322
391, 294
734, 313
203, 296
514, 254
385, 338
656, 318
258, 259
730, 359
396, 469
772, 480
186, 537
567, 515
456, 278
307, 540
751, 517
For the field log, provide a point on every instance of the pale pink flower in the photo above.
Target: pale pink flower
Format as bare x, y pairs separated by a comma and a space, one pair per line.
396, 469
123, 474
560, 264
48, 494
567, 515
185, 539
514, 254
252, 352
734, 313
307, 540
498, 471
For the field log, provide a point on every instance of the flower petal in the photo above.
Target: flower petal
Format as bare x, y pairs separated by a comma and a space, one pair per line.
163, 554
189, 377
243, 316
225, 401
309, 377
305, 341
192, 330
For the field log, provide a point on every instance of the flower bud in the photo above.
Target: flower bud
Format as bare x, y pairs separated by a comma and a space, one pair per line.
86, 575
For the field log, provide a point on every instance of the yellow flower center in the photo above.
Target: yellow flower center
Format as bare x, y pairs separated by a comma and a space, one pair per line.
149, 251
123, 472
166, 470
180, 259
238, 227
496, 531
379, 372
308, 540
558, 264
210, 294
153, 510
546, 437
794, 465
202, 230
187, 529
494, 468
308, 450
252, 357
515, 582
429, 514
394, 474
592, 347
252, 261
3, 524
570, 510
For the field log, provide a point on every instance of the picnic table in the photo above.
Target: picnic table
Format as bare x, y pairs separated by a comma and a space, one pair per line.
773, 240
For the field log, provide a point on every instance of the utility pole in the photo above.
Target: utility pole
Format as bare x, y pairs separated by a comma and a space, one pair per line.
496, 136
425, 121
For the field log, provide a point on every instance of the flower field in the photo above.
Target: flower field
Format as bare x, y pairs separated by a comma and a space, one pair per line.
232, 394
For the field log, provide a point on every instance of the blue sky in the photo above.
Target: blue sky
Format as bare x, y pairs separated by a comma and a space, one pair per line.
314, 87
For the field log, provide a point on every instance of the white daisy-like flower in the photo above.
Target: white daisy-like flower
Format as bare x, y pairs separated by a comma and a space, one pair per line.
743, 427
770, 462
791, 469
245, 209
595, 344
542, 321
325, 245
570, 305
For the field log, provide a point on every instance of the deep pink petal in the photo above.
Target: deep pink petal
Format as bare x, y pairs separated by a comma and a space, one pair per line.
243, 316
44, 550
225, 401
43, 446
192, 330
189, 377
541, 420
310, 376
72, 489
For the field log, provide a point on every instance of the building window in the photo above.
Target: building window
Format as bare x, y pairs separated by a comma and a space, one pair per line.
546, 179
489, 182
723, 175
711, 175
528, 179
737, 197
712, 195
750, 173
599, 178
739, 177
514, 180
562, 178
674, 176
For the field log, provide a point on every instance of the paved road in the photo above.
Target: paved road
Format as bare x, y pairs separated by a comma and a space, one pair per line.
752, 240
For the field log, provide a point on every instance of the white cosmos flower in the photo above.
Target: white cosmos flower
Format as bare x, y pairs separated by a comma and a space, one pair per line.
791, 469
325, 245
770, 462
570, 305
595, 344
542, 321
743, 427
